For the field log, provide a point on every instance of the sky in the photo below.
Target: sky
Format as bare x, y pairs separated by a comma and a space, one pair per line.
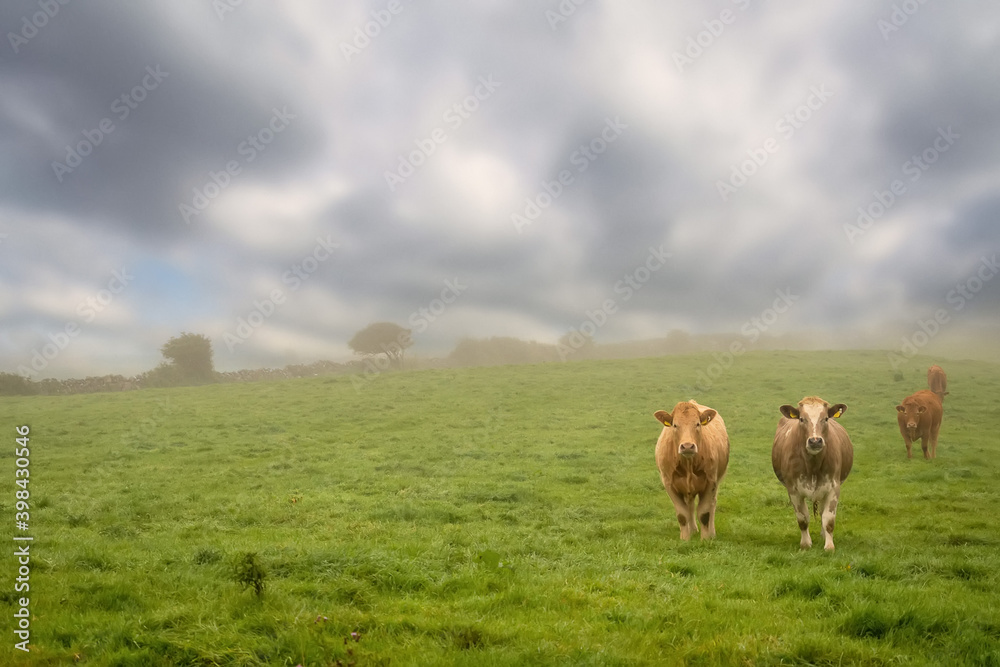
278, 176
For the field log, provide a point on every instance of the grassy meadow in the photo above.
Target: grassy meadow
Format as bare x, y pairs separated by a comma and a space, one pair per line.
500, 516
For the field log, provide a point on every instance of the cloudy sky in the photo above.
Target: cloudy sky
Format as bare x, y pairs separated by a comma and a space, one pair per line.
278, 176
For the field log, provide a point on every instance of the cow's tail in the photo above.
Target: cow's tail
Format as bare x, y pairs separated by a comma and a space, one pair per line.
815, 508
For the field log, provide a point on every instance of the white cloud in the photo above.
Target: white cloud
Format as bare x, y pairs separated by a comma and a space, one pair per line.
275, 217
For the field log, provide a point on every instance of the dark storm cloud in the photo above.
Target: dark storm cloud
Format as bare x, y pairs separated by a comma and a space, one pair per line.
933, 130
349, 118
153, 110
403, 267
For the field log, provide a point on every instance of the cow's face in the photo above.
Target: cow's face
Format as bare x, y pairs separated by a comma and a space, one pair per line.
909, 416
685, 422
814, 421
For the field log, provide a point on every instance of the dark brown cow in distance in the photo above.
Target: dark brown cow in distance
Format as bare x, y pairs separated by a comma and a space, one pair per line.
692, 454
919, 417
937, 381
812, 456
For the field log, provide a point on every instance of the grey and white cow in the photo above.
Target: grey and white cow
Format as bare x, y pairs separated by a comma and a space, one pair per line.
812, 456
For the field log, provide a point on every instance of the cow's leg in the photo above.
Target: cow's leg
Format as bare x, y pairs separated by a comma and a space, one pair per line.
923, 444
909, 446
692, 503
685, 517
934, 438
706, 511
829, 517
800, 504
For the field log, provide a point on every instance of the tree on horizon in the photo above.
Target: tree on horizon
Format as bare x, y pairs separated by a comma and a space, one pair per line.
191, 356
382, 338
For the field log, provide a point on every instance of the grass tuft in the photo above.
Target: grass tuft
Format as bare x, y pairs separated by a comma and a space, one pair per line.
207, 556
868, 622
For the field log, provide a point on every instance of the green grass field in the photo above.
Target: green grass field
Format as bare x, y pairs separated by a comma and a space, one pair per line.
500, 516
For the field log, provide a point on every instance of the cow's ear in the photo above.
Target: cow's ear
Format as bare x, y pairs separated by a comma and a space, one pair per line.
921, 409
663, 417
790, 411
835, 411
900, 408
707, 416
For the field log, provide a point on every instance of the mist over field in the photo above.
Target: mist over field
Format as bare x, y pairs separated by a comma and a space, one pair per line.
278, 177
339, 333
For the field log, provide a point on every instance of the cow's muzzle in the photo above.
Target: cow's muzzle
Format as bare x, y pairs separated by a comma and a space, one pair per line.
687, 449
814, 445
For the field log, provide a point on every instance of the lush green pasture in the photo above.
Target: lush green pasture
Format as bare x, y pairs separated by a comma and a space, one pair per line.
500, 516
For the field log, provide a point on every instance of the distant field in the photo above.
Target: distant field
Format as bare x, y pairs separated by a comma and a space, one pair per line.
500, 516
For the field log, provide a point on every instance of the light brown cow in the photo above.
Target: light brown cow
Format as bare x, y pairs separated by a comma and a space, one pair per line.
692, 454
812, 456
919, 416
937, 381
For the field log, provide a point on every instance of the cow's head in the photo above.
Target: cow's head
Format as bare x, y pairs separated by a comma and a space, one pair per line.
909, 415
686, 422
814, 415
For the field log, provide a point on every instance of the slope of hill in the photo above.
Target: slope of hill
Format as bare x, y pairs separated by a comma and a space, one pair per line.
504, 516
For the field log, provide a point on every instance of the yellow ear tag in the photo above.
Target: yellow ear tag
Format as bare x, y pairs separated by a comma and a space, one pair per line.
836, 414
704, 422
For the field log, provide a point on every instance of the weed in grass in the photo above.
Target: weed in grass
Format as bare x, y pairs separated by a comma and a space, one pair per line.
249, 573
